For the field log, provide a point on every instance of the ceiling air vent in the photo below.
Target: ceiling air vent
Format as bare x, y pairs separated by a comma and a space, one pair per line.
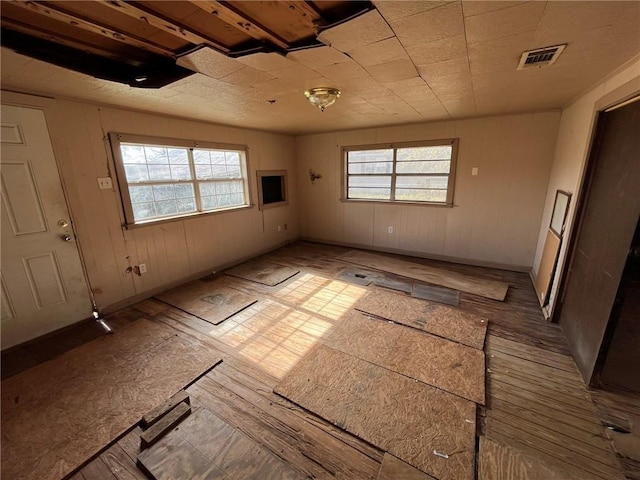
540, 57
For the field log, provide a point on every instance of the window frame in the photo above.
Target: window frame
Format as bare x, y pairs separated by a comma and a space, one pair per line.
453, 142
116, 139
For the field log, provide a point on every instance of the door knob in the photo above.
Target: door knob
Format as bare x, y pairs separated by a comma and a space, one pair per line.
66, 238
63, 223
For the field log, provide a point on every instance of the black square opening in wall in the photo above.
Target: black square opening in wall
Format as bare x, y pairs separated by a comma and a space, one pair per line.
272, 189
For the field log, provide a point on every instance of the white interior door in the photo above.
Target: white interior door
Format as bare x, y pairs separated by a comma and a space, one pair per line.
43, 284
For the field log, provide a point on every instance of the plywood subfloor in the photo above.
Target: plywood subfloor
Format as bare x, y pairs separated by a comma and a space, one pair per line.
262, 271
210, 301
58, 414
446, 322
415, 422
204, 446
447, 365
485, 287
436, 294
395, 469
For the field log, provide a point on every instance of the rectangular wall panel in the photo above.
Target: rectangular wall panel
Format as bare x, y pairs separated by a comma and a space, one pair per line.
20, 198
12, 134
45, 279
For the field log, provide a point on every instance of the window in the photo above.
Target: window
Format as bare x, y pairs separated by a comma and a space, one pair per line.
413, 172
161, 179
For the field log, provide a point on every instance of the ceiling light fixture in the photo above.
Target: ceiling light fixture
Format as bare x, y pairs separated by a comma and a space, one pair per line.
322, 97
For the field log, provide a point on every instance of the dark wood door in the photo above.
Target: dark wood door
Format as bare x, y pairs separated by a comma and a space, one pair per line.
621, 354
608, 217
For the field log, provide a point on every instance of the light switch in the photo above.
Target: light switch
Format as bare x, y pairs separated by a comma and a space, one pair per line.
474, 171
105, 183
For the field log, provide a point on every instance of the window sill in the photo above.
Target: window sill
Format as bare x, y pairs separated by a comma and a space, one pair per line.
178, 218
399, 202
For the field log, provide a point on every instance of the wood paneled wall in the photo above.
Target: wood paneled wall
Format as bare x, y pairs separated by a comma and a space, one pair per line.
172, 251
497, 214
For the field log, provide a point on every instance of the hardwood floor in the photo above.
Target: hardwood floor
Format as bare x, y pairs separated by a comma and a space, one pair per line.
539, 422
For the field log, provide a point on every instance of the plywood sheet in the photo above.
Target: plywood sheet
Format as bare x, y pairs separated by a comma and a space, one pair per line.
215, 450
547, 266
260, 271
447, 365
89, 404
395, 469
447, 322
209, 301
415, 422
484, 287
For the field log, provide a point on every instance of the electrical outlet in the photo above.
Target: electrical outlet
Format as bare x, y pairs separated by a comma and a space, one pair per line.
279, 228
474, 171
390, 229
105, 183
143, 268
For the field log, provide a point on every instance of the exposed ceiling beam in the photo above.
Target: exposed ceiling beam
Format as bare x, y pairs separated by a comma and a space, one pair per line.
77, 21
307, 12
228, 14
68, 41
140, 12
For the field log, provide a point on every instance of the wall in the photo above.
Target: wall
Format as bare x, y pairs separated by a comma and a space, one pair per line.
172, 251
496, 215
570, 157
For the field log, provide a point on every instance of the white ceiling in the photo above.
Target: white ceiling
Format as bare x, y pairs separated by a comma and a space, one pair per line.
405, 62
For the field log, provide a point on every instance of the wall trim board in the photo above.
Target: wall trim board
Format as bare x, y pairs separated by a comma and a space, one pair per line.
217, 270
428, 256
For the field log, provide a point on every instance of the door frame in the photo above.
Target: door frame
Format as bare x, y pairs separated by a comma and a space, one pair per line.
49, 107
613, 99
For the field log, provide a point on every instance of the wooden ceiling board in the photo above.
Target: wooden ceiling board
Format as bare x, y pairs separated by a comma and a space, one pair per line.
318, 57
504, 23
362, 30
384, 51
200, 21
437, 50
393, 71
53, 29
429, 26
392, 11
210, 63
104, 15
292, 24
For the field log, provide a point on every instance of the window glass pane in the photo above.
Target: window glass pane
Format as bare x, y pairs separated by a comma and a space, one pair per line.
222, 188
217, 157
166, 207
422, 182
219, 171
203, 172
186, 205
201, 157
232, 158
209, 203
178, 156
141, 194
421, 195
439, 152
373, 167
136, 173
442, 166
385, 155
132, 154
370, 193
233, 171
208, 188
159, 172
372, 181
184, 190
163, 192
156, 155
143, 211
180, 172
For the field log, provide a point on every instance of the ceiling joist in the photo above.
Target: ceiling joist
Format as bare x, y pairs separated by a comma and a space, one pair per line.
77, 21
228, 14
138, 11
